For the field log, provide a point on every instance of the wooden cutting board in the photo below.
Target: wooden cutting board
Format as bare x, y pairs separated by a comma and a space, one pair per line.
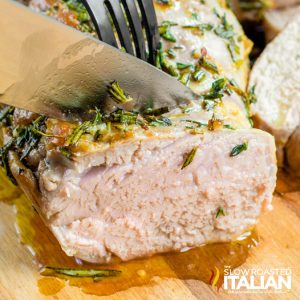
279, 246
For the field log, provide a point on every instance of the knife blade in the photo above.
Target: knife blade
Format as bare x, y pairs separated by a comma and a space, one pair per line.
49, 68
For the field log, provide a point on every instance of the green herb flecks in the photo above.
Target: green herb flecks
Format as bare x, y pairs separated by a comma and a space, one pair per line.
160, 121
251, 95
197, 123
5, 112
156, 112
228, 126
217, 90
28, 137
199, 75
226, 31
202, 27
208, 65
195, 16
182, 66
118, 94
165, 31
163, 63
123, 117
209, 105
249, 98
24, 140
66, 152
238, 149
190, 157
4, 160
88, 273
185, 78
220, 212
171, 53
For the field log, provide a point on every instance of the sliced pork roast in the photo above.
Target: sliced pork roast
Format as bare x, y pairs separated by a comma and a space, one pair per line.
138, 192
275, 20
276, 77
134, 184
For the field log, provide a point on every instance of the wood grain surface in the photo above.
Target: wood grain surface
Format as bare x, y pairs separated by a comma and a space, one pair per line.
279, 232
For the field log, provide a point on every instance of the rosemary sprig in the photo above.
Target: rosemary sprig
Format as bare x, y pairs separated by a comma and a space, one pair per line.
208, 65
165, 31
118, 94
226, 31
6, 111
199, 75
156, 112
220, 212
182, 66
190, 157
202, 27
217, 89
93, 273
238, 149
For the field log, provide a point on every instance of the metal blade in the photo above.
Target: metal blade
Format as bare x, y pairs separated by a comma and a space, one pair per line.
49, 68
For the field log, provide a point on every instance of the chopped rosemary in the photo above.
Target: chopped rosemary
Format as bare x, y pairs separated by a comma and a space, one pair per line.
190, 157
208, 65
4, 160
28, 137
4, 112
195, 16
160, 121
199, 75
77, 133
252, 95
220, 212
209, 104
226, 31
165, 31
66, 152
202, 26
185, 78
25, 139
156, 112
171, 53
83, 272
182, 66
238, 149
163, 63
228, 126
248, 99
117, 93
217, 89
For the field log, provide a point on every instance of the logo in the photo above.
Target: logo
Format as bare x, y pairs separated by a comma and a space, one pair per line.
252, 280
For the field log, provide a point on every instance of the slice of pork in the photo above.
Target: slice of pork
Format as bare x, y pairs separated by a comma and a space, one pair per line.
134, 199
285, 3
275, 20
293, 152
276, 76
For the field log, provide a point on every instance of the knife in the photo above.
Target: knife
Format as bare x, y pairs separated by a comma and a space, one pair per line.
49, 68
